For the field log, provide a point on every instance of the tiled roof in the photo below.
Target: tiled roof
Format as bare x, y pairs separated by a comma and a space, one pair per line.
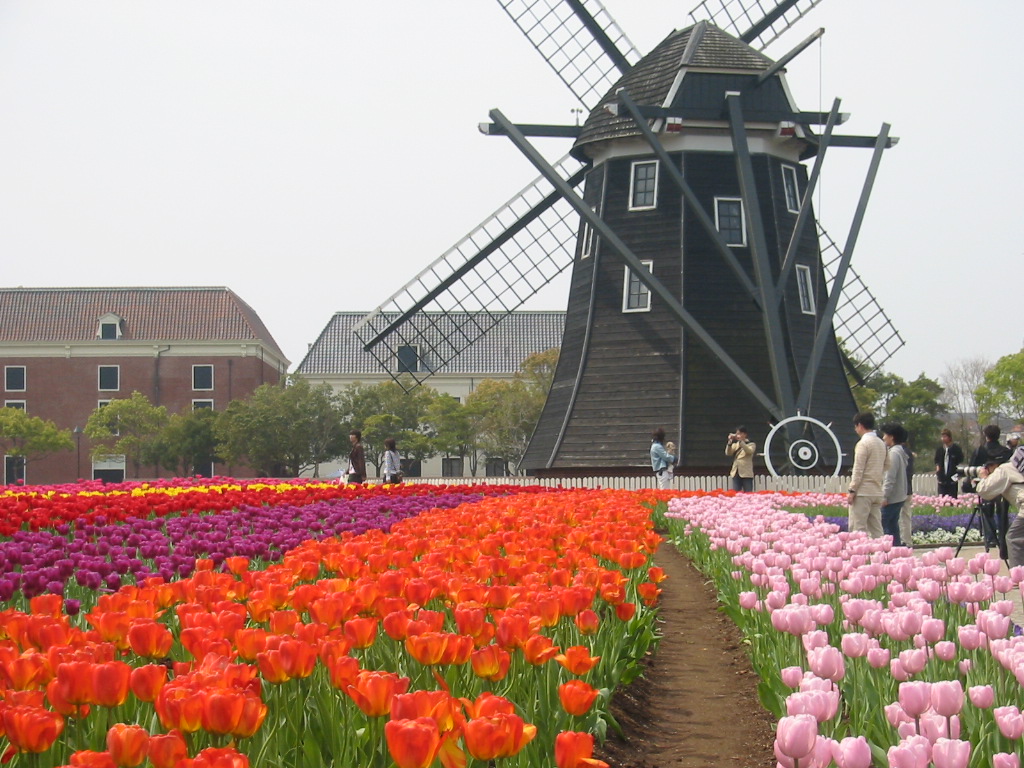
700, 47
149, 314
500, 351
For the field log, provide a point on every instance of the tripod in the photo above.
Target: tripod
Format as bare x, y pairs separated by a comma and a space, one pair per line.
995, 514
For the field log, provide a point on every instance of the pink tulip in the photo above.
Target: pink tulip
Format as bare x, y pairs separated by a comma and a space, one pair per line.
898, 671
914, 660
981, 696
775, 600
947, 697
933, 726
992, 567
823, 613
791, 676
951, 753
795, 735
965, 666
933, 630
748, 600
896, 715
905, 755
852, 753
945, 650
1005, 760
956, 566
957, 591
915, 697
822, 705
878, 657
855, 644
780, 617
970, 637
1010, 722
815, 639
827, 662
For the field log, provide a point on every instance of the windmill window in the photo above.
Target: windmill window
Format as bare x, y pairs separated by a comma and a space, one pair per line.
729, 220
14, 378
587, 241
202, 377
636, 297
792, 187
805, 287
109, 378
408, 358
643, 186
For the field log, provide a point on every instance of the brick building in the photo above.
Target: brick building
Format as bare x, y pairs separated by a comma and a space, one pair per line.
67, 351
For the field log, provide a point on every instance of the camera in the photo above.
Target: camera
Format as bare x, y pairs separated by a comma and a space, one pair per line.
971, 473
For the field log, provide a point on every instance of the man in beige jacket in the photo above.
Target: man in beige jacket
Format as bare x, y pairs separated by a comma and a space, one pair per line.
742, 452
870, 462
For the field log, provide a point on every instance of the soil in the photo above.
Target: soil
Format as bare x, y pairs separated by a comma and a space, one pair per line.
696, 704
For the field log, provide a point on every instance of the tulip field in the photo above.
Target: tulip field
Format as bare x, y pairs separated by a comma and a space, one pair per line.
193, 624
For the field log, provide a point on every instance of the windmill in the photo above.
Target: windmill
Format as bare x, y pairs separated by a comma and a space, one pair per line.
703, 293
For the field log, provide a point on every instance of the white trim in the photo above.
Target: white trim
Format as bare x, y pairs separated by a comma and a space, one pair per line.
587, 241
24, 378
805, 289
202, 365
196, 407
626, 275
19, 404
99, 387
743, 219
790, 171
632, 182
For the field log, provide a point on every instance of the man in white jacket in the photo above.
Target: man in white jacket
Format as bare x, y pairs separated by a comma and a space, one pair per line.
870, 461
1004, 480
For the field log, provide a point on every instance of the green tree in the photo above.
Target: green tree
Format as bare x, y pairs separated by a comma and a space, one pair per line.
386, 410
451, 425
30, 438
189, 442
1002, 389
131, 426
283, 429
918, 407
505, 414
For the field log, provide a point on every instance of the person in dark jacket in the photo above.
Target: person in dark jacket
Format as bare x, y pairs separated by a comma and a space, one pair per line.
356, 471
993, 512
948, 456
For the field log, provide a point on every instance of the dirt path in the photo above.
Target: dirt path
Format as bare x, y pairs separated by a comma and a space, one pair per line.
696, 705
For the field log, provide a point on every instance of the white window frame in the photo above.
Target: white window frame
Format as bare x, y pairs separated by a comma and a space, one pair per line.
632, 184
626, 279
587, 244
19, 404
24, 378
100, 388
789, 172
212, 380
743, 220
805, 289
196, 404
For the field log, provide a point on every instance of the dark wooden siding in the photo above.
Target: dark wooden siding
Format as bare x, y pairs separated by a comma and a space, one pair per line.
700, 97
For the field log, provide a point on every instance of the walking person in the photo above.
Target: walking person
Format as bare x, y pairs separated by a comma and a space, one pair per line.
392, 463
739, 447
356, 472
895, 490
661, 459
870, 462
948, 456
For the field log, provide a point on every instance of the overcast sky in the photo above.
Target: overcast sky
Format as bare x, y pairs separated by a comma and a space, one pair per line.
314, 156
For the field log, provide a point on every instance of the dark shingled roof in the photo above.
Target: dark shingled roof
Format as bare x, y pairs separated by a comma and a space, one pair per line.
499, 351
700, 47
148, 314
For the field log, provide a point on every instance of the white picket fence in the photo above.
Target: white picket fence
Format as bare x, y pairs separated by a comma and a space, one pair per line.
923, 484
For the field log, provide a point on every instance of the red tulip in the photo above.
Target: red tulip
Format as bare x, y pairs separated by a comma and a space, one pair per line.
146, 682
502, 735
361, 632
87, 758
491, 662
577, 697
539, 649
31, 729
587, 621
150, 639
577, 659
127, 744
165, 750
412, 743
574, 749
111, 683
373, 691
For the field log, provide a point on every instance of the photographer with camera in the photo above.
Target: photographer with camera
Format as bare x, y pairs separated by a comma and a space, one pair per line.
1002, 482
742, 450
992, 512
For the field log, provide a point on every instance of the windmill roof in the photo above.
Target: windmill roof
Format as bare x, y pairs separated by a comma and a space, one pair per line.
700, 47
500, 350
72, 314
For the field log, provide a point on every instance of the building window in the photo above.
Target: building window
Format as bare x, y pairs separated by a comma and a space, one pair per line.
14, 470
806, 288
202, 377
587, 241
729, 220
14, 378
636, 297
109, 378
109, 469
496, 467
411, 467
18, 404
408, 358
643, 185
452, 467
108, 331
200, 404
792, 187
103, 404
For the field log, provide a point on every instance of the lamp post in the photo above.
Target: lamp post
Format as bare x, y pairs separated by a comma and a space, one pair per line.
78, 452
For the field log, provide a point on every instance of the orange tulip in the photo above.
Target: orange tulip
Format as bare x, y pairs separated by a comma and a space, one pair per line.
648, 592
27, 671
577, 697
577, 659
373, 691
272, 667
179, 707
86, 758
150, 639
491, 662
574, 749
31, 729
112, 626
625, 611
220, 757
361, 631
110, 683
299, 658
222, 708
587, 622
502, 735
470, 620
427, 648
513, 630
412, 743
488, 705
539, 649
656, 574
630, 560
146, 682
439, 706
342, 670
166, 750
254, 712
283, 622
74, 682
457, 649
396, 624
55, 696
127, 744
250, 641
46, 605
237, 564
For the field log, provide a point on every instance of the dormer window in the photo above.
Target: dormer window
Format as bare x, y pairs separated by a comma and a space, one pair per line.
109, 326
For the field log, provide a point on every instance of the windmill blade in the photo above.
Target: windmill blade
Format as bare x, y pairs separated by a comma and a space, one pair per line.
867, 333
579, 40
756, 22
478, 282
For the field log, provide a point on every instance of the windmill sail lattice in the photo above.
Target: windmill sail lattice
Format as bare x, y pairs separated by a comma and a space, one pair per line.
757, 22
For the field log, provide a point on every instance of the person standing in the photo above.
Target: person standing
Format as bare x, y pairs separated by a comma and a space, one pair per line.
994, 512
661, 459
948, 456
895, 490
739, 447
870, 462
356, 471
1014, 443
1002, 482
392, 463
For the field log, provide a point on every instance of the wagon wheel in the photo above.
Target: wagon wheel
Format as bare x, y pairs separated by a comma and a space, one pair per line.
802, 445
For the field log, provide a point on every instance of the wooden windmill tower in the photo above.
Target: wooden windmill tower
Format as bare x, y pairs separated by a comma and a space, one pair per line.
702, 292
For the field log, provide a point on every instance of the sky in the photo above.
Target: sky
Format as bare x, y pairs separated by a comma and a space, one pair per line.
315, 155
